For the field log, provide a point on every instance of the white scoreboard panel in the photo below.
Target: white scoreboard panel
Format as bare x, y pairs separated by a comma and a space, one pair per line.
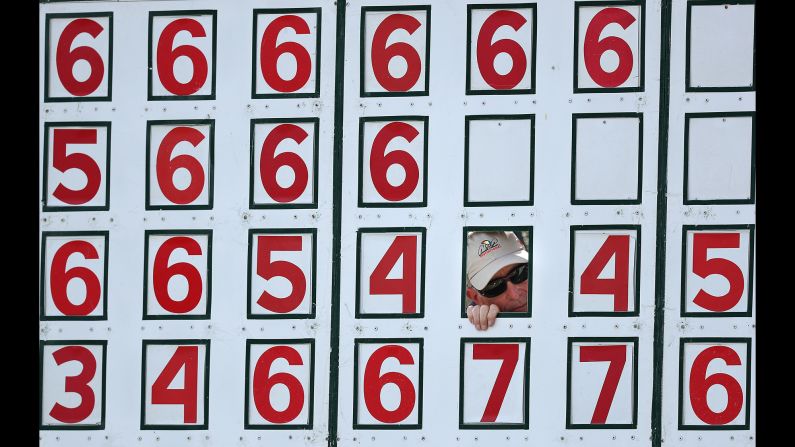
710, 263
232, 253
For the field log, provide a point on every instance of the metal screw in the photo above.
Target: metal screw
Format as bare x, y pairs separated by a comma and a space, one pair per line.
588, 100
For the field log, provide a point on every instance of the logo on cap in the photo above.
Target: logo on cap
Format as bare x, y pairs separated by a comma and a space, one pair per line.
486, 246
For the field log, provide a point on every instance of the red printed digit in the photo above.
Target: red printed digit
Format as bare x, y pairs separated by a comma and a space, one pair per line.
162, 274
76, 384
269, 163
590, 283
167, 55
404, 247
700, 384
594, 48
380, 161
166, 166
374, 381
487, 51
617, 356
64, 162
270, 54
381, 54
186, 357
509, 354
264, 382
704, 267
66, 57
60, 277
268, 269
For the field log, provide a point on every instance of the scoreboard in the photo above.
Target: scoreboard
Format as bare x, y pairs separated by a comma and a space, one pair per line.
256, 221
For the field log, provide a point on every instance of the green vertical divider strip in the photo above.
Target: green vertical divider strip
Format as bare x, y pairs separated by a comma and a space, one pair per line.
334, 354
662, 216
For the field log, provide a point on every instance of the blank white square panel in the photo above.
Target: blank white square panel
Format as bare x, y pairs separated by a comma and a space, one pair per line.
719, 157
503, 146
721, 46
607, 153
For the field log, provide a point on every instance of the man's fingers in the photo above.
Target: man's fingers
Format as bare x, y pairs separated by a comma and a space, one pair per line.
470, 314
483, 310
492, 314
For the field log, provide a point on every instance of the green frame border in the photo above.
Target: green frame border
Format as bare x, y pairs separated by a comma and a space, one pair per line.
641, 56
362, 37
151, 72
109, 67
680, 402
752, 194
514, 228
418, 389
663, 127
517, 117
688, 88
249, 299
388, 119
707, 314
577, 116
176, 342
104, 345
358, 311
46, 166
43, 282
210, 163
311, 394
208, 272
255, 47
497, 7
336, 225
253, 169
572, 249
634, 342
525, 385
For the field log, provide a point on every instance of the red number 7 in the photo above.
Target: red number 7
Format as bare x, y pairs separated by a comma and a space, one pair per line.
617, 356
509, 354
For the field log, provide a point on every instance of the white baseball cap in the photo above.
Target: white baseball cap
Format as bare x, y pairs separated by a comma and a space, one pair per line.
488, 252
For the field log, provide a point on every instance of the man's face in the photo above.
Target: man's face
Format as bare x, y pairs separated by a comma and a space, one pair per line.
514, 299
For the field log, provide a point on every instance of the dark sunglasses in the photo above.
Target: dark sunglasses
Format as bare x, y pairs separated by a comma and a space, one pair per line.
499, 285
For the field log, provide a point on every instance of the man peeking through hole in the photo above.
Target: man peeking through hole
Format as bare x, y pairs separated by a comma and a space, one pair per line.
497, 273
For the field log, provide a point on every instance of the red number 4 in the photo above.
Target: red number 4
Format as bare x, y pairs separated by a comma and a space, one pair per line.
187, 358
